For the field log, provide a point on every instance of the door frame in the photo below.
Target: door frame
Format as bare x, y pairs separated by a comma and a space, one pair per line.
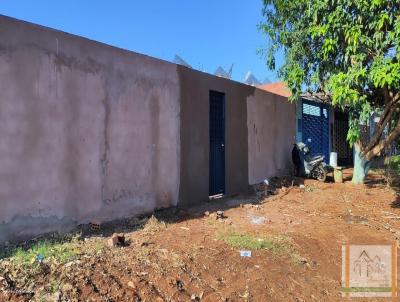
212, 172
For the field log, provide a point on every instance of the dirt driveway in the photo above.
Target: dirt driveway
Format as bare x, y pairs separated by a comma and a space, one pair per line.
294, 236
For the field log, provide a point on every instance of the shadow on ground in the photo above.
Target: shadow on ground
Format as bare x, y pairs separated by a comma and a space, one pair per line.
170, 215
395, 185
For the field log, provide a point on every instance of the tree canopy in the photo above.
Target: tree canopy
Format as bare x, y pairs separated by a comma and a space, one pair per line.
348, 50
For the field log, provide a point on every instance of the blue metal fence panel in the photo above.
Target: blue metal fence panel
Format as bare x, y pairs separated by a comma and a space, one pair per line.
315, 128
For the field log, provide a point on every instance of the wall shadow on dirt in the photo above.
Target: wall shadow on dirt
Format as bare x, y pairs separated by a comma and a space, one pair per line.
281, 185
379, 179
395, 185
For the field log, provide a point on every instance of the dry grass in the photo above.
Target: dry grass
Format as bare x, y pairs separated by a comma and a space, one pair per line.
279, 245
153, 225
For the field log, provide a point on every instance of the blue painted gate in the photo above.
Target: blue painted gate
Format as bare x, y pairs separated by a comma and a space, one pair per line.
315, 128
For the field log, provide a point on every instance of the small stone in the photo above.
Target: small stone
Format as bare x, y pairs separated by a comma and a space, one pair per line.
68, 264
57, 296
228, 221
206, 213
194, 297
131, 285
113, 241
179, 285
67, 287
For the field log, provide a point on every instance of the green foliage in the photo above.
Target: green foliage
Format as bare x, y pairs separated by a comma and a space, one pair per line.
278, 244
394, 164
348, 49
61, 252
244, 241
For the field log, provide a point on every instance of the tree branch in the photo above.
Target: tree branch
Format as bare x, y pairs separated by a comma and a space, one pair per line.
384, 143
385, 118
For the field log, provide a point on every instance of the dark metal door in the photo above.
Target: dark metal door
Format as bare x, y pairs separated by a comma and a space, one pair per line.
315, 129
217, 143
342, 147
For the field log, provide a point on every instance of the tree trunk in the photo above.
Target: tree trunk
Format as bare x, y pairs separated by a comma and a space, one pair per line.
361, 166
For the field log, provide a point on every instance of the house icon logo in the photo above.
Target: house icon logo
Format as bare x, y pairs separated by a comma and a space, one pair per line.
366, 267
369, 270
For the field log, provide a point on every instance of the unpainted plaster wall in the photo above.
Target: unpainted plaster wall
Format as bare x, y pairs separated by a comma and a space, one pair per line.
90, 131
272, 132
86, 131
260, 128
195, 144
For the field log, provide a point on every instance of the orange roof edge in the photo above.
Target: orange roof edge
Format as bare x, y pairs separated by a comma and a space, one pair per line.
278, 88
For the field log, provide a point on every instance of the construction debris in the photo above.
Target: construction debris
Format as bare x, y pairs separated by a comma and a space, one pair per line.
245, 254
95, 225
257, 220
195, 297
220, 215
116, 240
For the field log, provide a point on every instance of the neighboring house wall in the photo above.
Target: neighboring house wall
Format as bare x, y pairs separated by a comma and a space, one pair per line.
90, 131
272, 127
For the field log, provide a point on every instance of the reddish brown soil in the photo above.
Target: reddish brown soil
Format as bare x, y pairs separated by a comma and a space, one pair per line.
186, 261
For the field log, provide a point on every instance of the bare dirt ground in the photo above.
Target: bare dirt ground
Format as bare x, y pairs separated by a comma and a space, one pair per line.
185, 255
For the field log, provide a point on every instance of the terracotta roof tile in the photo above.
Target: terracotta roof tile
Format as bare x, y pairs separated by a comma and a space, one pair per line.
278, 88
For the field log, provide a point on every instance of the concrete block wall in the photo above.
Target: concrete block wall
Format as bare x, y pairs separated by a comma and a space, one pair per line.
271, 127
86, 130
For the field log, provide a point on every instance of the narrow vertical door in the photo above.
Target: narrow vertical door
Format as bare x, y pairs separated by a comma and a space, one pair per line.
217, 143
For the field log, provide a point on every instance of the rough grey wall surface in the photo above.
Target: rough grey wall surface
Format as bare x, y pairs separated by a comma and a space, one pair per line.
271, 122
260, 128
90, 131
195, 145
86, 131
